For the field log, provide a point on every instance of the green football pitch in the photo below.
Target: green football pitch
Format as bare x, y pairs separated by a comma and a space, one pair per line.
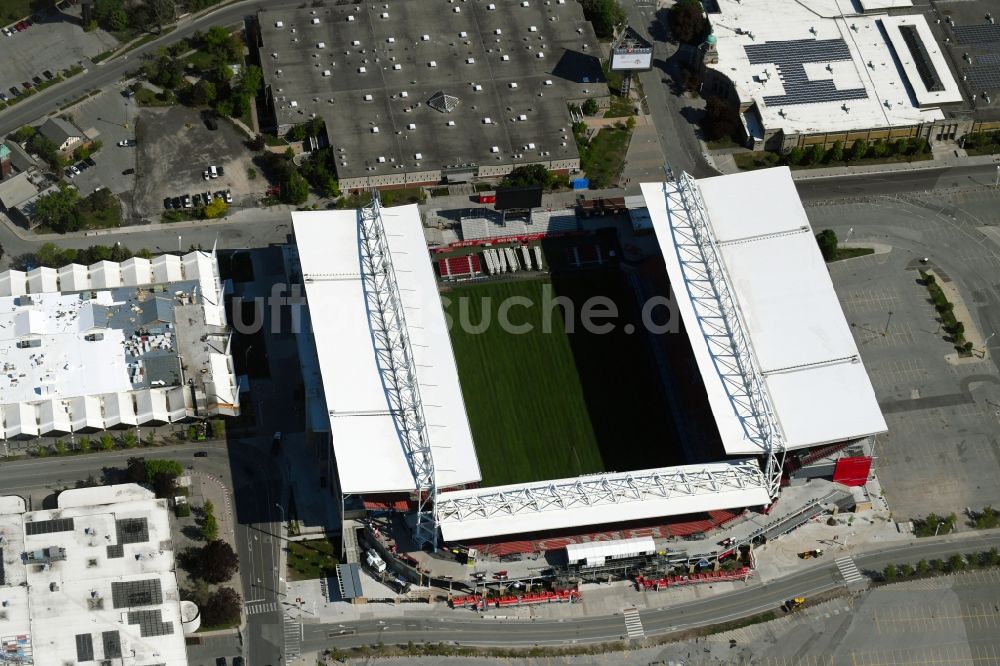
545, 405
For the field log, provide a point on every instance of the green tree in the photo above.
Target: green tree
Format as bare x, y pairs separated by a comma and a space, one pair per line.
107, 443
209, 525
590, 106
827, 240
218, 562
816, 154
956, 563
889, 573
529, 174
203, 93
687, 21
918, 146
604, 15
879, 148
796, 155
24, 133
296, 133
249, 82
117, 20
906, 570
837, 152
85, 444
902, 147
155, 466
987, 519
60, 447
222, 608
991, 557
129, 440
59, 210
922, 567
162, 12
295, 189
216, 208
859, 149
721, 119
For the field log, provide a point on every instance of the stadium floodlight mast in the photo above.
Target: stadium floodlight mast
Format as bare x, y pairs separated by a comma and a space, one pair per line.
721, 323
397, 368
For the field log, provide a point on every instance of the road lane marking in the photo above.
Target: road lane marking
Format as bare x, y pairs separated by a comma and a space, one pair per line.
633, 625
848, 570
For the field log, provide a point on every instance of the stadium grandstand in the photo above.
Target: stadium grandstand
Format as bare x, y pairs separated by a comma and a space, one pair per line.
782, 377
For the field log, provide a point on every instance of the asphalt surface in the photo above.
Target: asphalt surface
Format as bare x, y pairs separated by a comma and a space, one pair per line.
467, 629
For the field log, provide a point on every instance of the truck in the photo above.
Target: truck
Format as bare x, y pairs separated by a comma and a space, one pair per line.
374, 561
809, 554
793, 604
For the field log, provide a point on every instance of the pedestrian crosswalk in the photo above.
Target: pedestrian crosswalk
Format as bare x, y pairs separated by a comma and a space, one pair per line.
292, 639
849, 570
633, 625
262, 607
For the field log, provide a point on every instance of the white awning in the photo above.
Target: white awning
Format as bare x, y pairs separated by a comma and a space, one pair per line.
167, 268
74, 277
53, 417
118, 409
85, 413
20, 418
136, 271
43, 280
598, 551
151, 406
13, 283
106, 275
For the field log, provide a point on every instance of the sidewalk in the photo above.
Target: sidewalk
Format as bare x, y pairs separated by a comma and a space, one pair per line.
725, 164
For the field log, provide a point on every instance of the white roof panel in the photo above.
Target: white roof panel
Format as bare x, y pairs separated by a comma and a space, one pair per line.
682, 490
812, 370
369, 453
615, 548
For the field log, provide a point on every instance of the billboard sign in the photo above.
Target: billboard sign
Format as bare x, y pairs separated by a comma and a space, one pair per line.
632, 59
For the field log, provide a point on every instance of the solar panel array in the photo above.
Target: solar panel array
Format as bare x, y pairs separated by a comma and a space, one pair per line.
150, 623
116, 551
983, 78
84, 647
130, 594
48, 526
3, 572
789, 58
132, 530
112, 644
921, 58
976, 35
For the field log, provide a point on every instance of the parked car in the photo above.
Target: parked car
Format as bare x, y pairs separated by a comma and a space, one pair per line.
14, 91
187, 201
73, 170
26, 85
128, 172
37, 80
202, 454
177, 203
90, 161
167, 204
20, 27
213, 171
3, 96
211, 123
229, 197
197, 199
81, 167
47, 74
205, 174
7, 32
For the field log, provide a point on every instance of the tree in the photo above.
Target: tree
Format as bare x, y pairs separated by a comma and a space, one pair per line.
992, 558
249, 82
209, 525
590, 106
107, 443
956, 563
59, 210
24, 133
922, 567
837, 152
117, 20
156, 466
902, 146
129, 440
216, 208
816, 153
162, 11
687, 21
203, 93
135, 470
296, 188
889, 573
604, 15
879, 148
796, 155
987, 519
85, 444
60, 447
529, 174
296, 133
721, 119
217, 562
827, 240
257, 143
859, 149
221, 608
906, 570
918, 146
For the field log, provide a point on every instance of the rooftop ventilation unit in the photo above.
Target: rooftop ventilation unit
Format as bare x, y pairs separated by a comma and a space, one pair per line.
443, 103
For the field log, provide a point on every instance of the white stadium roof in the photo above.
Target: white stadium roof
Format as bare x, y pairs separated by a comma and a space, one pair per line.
598, 499
804, 350
368, 447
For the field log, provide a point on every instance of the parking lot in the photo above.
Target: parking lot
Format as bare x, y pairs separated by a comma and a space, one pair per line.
941, 453
174, 149
54, 43
109, 118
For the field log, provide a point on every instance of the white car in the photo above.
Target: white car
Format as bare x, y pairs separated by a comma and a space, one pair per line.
7, 32
73, 171
126, 143
213, 171
205, 174
229, 197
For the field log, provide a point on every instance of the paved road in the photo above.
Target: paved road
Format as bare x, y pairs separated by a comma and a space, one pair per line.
920, 180
467, 629
104, 74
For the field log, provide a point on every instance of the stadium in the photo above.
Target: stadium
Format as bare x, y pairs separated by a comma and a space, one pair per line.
533, 440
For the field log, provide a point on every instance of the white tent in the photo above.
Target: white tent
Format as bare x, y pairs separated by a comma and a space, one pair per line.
53, 417
13, 283
20, 419
43, 280
85, 413
178, 398
106, 275
151, 405
74, 277
167, 268
118, 409
198, 265
136, 271
223, 391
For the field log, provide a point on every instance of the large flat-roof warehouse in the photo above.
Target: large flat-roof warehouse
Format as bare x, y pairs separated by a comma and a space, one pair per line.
414, 93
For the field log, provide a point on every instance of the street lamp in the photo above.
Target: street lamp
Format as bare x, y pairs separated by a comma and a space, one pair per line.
179, 244
996, 183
